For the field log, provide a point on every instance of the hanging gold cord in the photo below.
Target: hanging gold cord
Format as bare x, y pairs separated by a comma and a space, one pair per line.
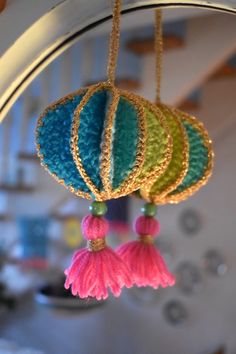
114, 42
158, 52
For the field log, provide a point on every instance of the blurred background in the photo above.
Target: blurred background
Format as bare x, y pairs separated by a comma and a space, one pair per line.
40, 220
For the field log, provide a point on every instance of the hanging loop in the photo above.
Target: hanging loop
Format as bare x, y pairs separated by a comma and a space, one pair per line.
158, 52
114, 42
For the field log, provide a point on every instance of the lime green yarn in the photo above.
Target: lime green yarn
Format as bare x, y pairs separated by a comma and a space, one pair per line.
178, 162
157, 141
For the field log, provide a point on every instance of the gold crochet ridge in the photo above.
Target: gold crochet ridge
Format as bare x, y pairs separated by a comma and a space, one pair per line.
106, 150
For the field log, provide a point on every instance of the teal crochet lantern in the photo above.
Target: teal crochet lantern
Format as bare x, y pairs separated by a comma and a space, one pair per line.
96, 144
102, 143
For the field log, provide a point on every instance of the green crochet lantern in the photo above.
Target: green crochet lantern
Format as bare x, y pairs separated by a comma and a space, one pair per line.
198, 165
192, 157
200, 159
177, 168
189, 168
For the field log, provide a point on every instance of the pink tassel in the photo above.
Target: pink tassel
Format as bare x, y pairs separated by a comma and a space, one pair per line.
96, 268
143, 259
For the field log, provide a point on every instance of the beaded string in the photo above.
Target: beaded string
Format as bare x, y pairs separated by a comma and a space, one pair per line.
159, 52
114, 42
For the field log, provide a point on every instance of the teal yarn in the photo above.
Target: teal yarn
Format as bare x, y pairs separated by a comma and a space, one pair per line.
198, 158
90, 133
81, 136
53, 140
125, 141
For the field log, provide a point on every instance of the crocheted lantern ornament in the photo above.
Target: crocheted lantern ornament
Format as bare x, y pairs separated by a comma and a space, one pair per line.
199, 166
147, 266
151, 269
192, 156
189, 168
144, 260
102, 146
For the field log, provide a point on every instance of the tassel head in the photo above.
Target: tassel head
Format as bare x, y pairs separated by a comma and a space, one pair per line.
146, 225
94, 227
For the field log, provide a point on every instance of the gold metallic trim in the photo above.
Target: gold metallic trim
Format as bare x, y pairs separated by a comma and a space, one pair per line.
148, 239
179, 197
157, 198
53, 106
106, 146
96, 245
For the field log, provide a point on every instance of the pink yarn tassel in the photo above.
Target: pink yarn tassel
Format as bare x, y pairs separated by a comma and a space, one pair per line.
143, 258
96, 268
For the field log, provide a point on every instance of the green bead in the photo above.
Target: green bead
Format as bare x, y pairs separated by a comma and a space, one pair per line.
149, 209
98, 208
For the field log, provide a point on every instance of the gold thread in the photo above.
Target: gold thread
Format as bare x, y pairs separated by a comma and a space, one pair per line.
105, 166
114, 42
181, 196
159, 52
53, 106
156, 198
96, 245
147, 239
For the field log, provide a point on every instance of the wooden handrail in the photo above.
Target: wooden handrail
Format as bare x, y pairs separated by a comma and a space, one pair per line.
142, 46
3, 4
